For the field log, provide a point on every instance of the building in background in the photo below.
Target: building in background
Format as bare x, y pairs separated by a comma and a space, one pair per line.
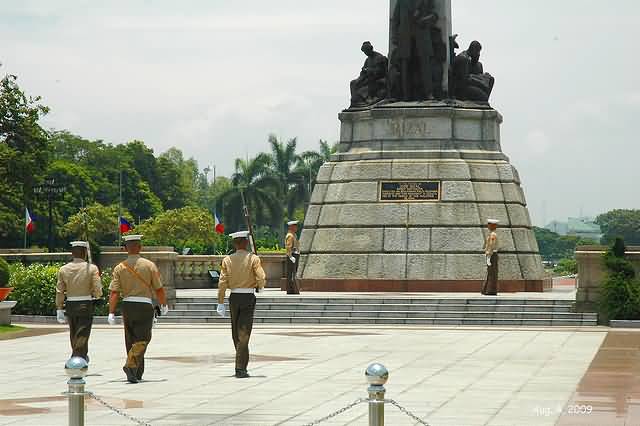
583, 227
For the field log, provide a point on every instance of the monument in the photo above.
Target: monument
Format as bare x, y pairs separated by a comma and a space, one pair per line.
403, 204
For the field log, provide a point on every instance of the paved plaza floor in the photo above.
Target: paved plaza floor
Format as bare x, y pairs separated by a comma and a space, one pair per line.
448, 376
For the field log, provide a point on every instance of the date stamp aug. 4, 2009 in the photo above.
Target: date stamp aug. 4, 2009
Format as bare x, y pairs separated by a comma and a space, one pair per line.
571, 409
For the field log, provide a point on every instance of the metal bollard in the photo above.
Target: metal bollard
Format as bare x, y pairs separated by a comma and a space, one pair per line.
76, 368
377, 375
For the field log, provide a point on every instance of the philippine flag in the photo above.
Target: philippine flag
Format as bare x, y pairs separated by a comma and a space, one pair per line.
125, 226
30, 226
219, 225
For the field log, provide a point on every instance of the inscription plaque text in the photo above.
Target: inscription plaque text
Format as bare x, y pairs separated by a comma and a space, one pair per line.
410, 191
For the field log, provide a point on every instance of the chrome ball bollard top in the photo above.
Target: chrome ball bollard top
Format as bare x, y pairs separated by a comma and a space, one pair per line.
377, 374
76, 367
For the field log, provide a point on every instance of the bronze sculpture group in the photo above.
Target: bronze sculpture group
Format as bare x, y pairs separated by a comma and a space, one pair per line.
416, 65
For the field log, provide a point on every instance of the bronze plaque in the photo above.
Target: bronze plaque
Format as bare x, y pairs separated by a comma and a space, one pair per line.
410, 191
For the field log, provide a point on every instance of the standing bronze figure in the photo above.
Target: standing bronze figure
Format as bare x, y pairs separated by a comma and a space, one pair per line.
414, 53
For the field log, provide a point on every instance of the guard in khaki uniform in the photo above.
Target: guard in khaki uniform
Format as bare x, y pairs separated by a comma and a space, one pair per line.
137, 280
293, 256
490, 286
80, 282
242, 273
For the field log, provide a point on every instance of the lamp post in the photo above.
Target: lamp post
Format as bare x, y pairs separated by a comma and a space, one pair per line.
51, 191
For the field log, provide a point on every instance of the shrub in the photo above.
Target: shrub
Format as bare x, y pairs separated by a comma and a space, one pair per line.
4, 273
35, 289
566, 267
620, 291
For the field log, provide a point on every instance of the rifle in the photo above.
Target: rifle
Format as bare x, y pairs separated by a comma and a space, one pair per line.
247, 218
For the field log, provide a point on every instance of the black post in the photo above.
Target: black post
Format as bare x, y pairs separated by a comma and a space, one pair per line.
50, 236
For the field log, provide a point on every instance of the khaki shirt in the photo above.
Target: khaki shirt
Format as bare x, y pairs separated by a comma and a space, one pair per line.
240, 270
77, 278
139, 283
491, 244
291, 244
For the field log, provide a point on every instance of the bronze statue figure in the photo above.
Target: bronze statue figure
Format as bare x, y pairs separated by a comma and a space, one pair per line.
371, 86
417, 50
470, 80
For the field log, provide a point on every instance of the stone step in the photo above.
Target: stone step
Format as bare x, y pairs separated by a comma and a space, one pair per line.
396, 314
392, 300
389, 321
387, 306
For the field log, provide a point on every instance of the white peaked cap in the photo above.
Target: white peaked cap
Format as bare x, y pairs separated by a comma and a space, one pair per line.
240, 234
293, 222
493, 221
80, 244
128, 238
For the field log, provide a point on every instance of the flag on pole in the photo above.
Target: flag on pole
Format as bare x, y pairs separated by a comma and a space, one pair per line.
125, 226
219, 225
30, 225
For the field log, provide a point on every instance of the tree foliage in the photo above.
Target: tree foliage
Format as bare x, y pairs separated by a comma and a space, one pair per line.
554, 247
620, 223
620, 291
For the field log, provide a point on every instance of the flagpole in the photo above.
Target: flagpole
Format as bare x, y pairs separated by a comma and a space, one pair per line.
25, 227
119, 208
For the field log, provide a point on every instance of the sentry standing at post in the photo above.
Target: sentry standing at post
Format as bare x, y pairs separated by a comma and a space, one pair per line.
80, 282
293, 256
490, 286
136, 279
242, 273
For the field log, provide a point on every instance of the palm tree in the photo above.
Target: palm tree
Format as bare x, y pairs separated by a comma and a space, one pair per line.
284, 163
261, 191
313, 160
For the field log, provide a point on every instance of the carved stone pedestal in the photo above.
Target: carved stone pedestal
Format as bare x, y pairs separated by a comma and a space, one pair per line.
403, 206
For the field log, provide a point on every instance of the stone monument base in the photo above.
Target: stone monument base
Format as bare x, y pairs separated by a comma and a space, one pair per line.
403, 205
421, 286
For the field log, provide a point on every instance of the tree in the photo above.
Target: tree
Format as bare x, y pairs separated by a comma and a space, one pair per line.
554, 247
23, 153
315, 159
255, 178
96, 222
291, 184
192, 227
620, 223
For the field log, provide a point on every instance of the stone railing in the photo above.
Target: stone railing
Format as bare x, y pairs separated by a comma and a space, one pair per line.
591, 274
177, 271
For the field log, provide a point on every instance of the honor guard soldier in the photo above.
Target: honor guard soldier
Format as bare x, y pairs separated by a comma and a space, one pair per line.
490, 286
242, 273
138, 280
80, 282
293, 256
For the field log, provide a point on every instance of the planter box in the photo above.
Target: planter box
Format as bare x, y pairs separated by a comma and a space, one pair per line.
4, 292
5, 312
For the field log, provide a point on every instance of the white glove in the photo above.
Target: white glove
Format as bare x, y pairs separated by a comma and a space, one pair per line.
60, 316
488, 260
221, 310
292, 259
111, 319
164, 310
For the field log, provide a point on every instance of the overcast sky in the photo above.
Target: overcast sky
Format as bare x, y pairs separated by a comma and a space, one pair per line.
215, 77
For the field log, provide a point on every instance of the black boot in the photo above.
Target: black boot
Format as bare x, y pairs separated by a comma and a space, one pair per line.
241, 374
131, 374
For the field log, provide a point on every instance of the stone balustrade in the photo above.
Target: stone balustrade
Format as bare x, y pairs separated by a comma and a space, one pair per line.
591, 274
177, 271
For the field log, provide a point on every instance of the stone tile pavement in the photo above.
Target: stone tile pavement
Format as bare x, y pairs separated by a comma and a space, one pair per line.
449, 376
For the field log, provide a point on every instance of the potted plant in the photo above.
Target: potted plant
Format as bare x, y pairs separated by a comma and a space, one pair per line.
4, 280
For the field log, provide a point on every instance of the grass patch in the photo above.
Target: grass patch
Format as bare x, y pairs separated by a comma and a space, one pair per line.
11, 328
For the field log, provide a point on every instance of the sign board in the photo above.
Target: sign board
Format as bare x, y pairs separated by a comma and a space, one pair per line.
409, 191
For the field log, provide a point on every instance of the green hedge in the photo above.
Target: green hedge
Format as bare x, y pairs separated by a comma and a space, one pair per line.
34, 288
620, 291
